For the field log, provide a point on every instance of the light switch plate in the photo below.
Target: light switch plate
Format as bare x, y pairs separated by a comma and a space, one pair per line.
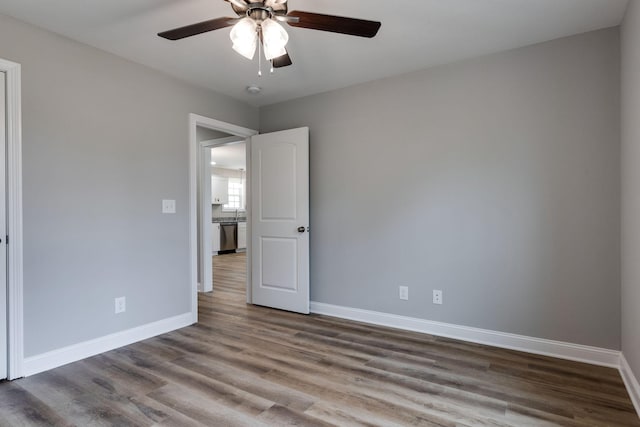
169, 206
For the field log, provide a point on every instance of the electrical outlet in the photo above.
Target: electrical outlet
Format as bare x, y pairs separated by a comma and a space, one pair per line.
121, 305
437, 296
169, 206
404, 292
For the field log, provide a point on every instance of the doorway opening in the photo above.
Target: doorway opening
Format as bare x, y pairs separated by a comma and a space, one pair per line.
207, 134
277, 275
229, 195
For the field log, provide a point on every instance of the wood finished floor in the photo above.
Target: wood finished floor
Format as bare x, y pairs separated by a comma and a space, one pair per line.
245, 365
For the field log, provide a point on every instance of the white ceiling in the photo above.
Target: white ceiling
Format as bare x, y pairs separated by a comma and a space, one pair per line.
415, 34
230, 156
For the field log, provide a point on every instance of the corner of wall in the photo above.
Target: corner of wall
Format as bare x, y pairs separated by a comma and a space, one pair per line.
631, 382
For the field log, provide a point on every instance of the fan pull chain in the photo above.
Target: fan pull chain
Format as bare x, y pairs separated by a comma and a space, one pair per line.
259, 59
271, 70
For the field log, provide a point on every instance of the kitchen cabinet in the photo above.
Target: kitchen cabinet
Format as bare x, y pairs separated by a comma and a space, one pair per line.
215, 238
242, 235
219, 190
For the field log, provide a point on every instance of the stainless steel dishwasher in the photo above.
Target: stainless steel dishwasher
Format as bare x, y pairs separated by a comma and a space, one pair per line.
228, 236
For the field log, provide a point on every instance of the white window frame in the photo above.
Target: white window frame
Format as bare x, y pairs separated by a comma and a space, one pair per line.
234, 180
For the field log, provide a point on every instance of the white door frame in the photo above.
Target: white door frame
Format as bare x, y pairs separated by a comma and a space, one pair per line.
206, 269
196, 120
14, 219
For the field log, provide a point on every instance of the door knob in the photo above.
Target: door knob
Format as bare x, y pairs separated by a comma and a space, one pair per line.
300, 229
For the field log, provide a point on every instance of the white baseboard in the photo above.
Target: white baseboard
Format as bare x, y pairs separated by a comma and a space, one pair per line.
562, 350
581, 353
52, 359
631, 382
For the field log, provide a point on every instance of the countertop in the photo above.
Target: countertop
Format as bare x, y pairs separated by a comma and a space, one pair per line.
229, 219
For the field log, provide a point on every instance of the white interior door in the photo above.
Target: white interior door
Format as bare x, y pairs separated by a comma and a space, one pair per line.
280, 220
3, 233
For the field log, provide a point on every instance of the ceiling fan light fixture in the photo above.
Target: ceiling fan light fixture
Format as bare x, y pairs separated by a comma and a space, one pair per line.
245, 37
248, 50
256, 26
274, 39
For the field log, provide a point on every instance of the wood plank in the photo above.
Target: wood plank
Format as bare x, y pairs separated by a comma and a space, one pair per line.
252, 366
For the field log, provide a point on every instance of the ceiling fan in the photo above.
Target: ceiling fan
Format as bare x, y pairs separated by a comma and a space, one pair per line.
258, 20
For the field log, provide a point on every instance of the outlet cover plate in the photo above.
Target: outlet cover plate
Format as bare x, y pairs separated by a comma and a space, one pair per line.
437, 296
403, 292
121, 305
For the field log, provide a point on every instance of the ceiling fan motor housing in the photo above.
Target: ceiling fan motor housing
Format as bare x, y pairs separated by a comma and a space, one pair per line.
261, 10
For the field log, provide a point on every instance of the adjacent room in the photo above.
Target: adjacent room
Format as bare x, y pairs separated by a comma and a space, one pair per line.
284, 212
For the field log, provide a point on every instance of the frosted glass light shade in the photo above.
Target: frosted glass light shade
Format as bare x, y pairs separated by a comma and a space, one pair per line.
246, 50
244, 37
274, 38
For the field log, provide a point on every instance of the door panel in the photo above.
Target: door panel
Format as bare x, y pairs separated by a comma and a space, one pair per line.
280, 207
3, 225
278, 179
279, 263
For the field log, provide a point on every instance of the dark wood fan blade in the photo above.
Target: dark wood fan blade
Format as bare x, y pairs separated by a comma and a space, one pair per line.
282, 61
335, 24
199, 28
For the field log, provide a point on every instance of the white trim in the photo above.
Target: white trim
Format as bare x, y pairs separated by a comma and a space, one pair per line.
14, 218
248, 209
562, 350
204, 204
631, 382
73, 353
196, 120
221, 141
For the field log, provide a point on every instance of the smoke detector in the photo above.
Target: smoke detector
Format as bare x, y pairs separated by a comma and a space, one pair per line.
253, 89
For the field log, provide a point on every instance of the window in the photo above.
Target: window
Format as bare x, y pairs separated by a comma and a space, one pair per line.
236, 195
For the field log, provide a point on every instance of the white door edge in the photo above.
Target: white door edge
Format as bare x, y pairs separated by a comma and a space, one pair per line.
15, 308
196, 120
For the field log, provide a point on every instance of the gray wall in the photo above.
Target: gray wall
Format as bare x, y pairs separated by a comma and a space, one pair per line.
495, 180
204, 134
631, 187
105, 140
